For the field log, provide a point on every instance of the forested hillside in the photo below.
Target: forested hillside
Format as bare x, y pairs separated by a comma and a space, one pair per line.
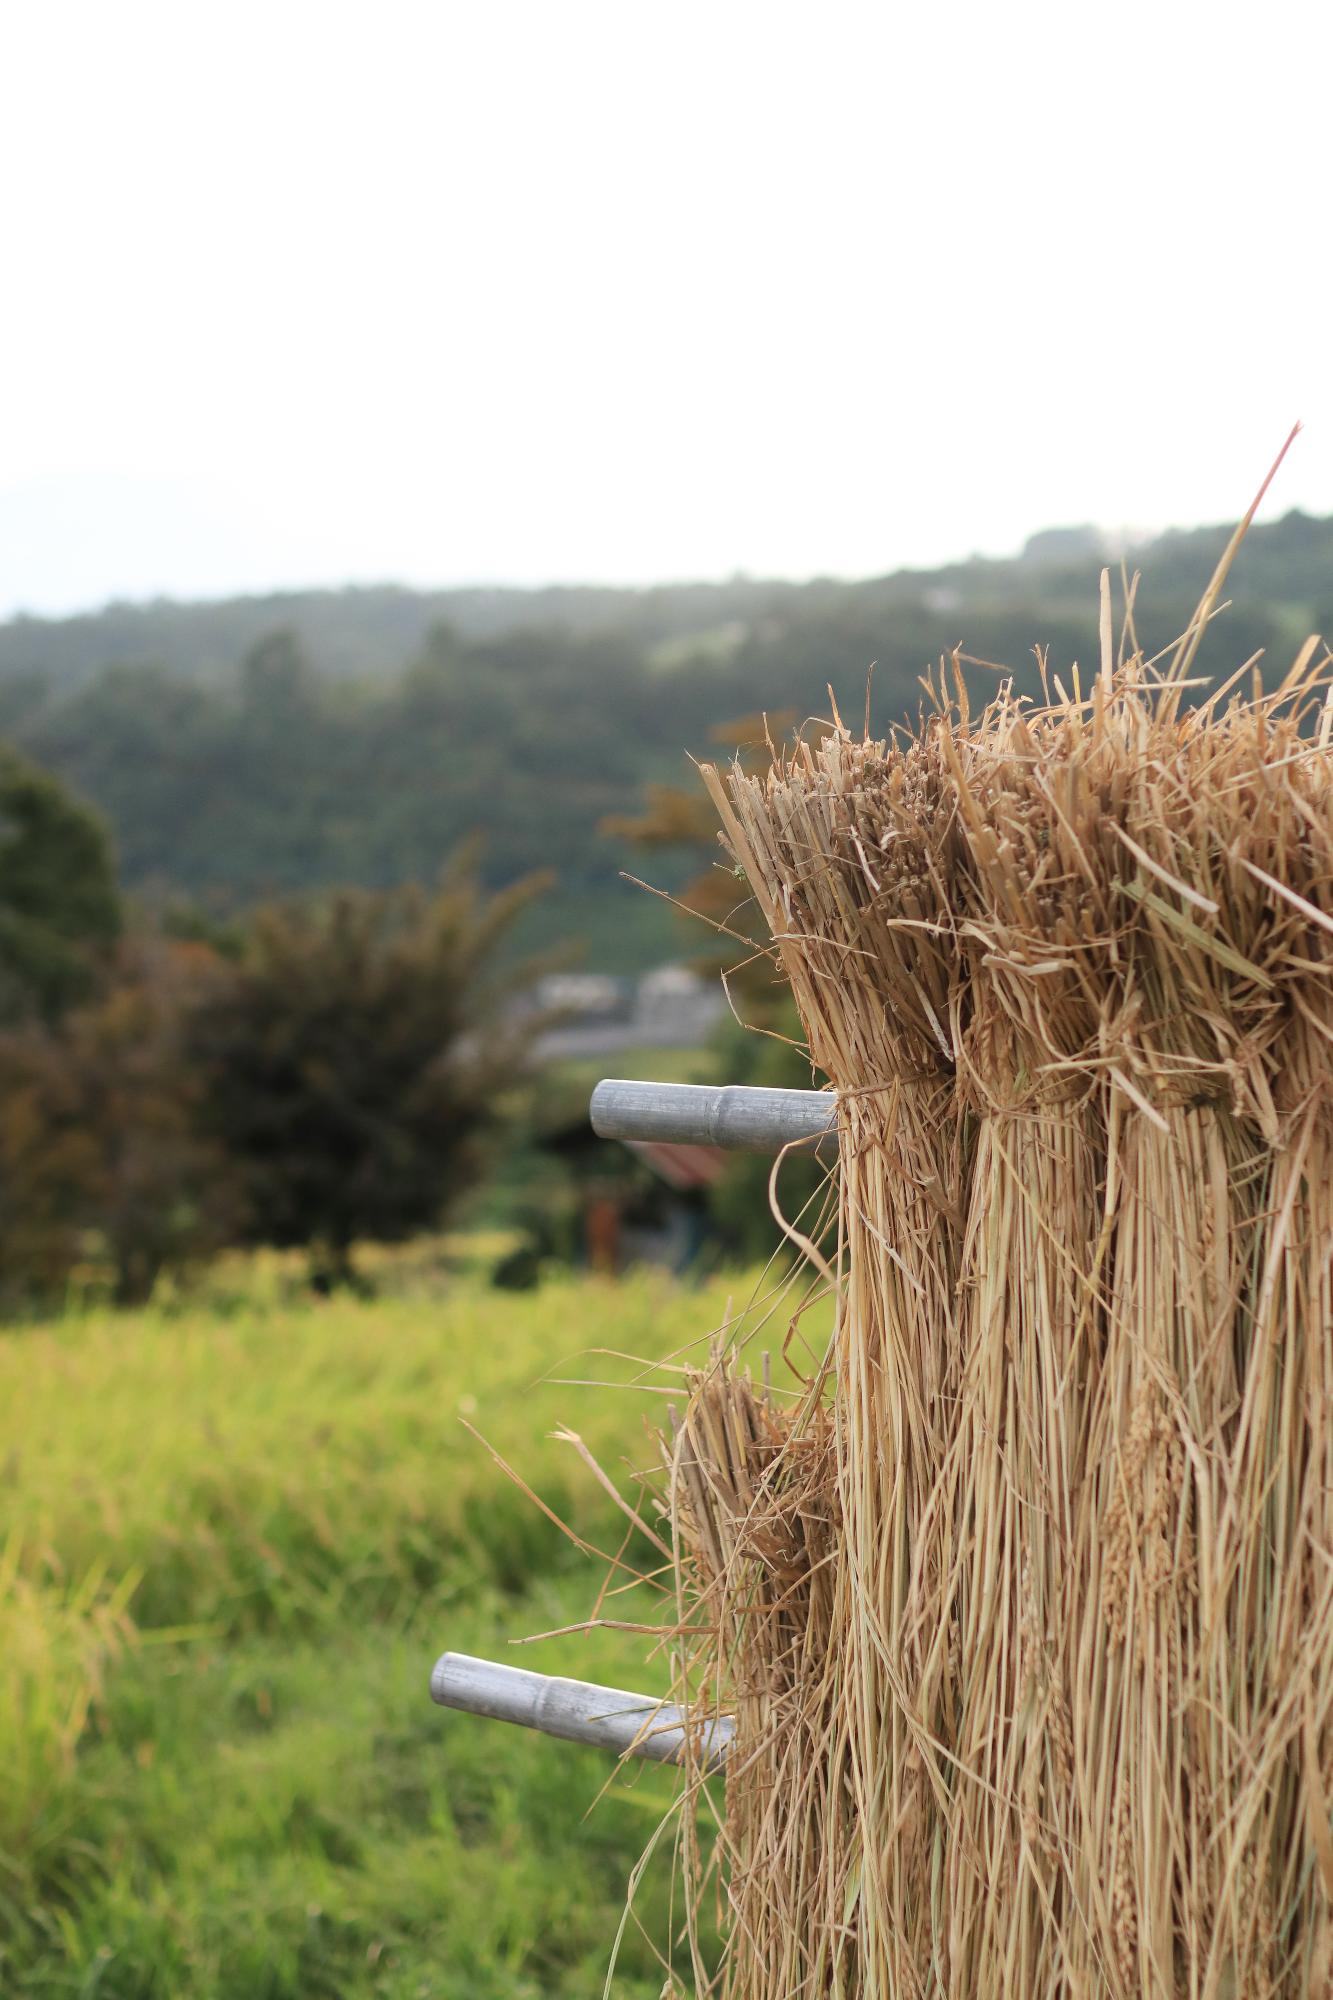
265, 745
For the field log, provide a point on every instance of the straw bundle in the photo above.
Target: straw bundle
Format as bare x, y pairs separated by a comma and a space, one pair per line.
1025, 1606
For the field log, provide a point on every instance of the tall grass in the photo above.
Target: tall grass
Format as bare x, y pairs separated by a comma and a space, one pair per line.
231, 1544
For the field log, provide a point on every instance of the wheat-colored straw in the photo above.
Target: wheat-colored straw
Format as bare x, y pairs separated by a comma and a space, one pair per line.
1025, 1605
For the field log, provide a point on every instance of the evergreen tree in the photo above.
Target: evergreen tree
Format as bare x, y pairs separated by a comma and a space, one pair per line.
59, 907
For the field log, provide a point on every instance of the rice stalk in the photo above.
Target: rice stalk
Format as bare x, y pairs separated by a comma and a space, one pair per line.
1025, 1604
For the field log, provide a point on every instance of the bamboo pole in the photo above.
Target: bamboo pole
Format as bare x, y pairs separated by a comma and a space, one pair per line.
735, 1116
629, 1725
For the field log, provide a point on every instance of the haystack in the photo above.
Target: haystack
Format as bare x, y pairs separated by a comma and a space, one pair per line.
1024, 1605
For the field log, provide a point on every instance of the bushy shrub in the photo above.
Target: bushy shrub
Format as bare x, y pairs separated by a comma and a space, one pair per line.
105, 1166
353, 1064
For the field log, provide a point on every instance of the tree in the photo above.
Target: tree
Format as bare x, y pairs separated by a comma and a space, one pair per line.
353, 1062
102, 1159
48, 1170
769, 1050
677, 820
59, 908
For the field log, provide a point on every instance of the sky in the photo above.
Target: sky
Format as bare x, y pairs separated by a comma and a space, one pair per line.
313, 294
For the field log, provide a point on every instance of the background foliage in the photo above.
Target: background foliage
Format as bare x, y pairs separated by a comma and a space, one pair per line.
274, 744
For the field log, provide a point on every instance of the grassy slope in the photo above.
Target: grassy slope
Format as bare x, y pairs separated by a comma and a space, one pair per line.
238, 1786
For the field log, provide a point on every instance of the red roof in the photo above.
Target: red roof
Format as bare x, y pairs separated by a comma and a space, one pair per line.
680, 1167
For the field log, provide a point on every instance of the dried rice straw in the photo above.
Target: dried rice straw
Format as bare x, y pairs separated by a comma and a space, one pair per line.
1025, 1607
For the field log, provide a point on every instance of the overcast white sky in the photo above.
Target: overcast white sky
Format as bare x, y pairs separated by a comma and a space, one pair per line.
322, 293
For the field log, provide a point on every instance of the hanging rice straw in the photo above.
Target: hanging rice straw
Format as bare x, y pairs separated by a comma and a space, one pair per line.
1024, 1608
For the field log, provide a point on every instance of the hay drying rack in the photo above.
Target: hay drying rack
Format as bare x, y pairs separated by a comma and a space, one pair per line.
743, 1120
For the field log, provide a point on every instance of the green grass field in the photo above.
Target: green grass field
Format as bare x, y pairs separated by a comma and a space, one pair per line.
233, 1537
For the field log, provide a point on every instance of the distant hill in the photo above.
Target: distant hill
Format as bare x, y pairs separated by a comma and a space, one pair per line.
267, 744
364, 632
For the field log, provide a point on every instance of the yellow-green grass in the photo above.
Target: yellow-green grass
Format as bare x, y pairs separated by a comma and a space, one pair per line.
231, 1543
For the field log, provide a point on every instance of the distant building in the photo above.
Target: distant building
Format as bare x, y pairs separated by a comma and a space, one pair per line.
586, 997
674, 995
670, 1007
